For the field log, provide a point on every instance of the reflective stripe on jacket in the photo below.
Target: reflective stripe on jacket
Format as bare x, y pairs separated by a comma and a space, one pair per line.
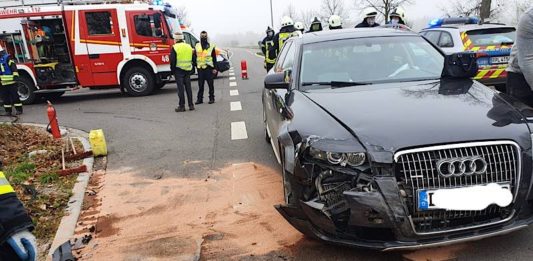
5, 188
269, 47
184, 53
203, 57
7, 75
283, 37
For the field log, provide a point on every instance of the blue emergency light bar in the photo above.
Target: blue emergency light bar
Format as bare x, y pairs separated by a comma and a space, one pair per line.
438, 22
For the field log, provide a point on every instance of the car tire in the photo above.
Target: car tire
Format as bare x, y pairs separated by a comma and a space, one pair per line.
138, 81
26, 90
500, 87
52, 96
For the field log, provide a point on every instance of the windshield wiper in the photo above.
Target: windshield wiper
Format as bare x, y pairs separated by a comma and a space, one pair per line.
336, 84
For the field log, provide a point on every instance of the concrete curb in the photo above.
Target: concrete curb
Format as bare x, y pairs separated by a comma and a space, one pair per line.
68, 223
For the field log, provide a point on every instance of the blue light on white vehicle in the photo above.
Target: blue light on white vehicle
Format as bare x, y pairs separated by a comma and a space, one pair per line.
438, 22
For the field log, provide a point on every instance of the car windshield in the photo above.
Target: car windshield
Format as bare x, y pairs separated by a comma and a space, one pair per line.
492, 36
370, 60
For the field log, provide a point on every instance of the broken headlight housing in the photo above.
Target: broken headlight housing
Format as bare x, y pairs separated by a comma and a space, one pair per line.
353, 159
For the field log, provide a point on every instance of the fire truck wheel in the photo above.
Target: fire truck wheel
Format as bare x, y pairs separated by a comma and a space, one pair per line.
138, 81
26, 90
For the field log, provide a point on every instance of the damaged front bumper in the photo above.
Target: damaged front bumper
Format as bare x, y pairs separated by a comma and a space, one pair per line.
357, 207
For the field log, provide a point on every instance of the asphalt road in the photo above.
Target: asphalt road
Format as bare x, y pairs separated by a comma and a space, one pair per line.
146, 134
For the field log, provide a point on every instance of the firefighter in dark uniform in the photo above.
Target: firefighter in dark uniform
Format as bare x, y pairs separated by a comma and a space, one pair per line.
181, 65
16, 241
286, 32
316, 26
206, 62
370, 19
267, 46
8, 89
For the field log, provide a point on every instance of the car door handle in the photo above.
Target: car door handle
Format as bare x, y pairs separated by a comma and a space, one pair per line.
94, 56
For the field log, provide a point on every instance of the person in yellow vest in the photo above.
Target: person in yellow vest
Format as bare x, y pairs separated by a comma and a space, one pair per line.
267, 47
16, 240
206, 62
181, 66
8, 88
286, 32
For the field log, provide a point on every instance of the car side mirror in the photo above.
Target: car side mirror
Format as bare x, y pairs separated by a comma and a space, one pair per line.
276, 81
460, 65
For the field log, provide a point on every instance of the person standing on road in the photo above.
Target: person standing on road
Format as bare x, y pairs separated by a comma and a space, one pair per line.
335, 22
181, 65
370, 19
520, 69
206, 62
16, 240
8, 88
267, 47
286, 32
316, 26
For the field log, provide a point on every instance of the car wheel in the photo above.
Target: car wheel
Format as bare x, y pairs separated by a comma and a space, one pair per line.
26, 90
500, 87
138, 81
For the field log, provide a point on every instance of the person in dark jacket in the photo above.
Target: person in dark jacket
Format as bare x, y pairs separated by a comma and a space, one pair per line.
286, 32
267, 47
16, 240
9, 87
316, 26
369, 20
206, 62
181, 65
520, 69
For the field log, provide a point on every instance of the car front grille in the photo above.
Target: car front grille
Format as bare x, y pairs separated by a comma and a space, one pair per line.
417, 170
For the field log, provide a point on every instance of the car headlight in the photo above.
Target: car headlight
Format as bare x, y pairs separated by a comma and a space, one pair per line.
353, 159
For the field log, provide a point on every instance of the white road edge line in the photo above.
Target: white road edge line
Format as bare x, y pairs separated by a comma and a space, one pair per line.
233, 92
233, 84
238, 131
235, 106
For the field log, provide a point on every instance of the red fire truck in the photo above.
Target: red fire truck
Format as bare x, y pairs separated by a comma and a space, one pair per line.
88, 43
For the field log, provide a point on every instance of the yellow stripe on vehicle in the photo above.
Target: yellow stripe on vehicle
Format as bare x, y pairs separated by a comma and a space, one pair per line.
481, 74
496, 74
475, 48
491, 47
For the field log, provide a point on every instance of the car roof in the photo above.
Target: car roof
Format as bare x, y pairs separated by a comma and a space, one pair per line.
331, 35
467, 27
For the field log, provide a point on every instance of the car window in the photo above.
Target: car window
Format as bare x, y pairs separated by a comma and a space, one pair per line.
281, 56
187, 38
492, 36
148, 25
288, 62
371, 60
433, 36
99, 23
446, 40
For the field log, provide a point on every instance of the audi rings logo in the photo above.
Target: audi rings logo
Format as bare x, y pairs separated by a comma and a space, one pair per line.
461, 166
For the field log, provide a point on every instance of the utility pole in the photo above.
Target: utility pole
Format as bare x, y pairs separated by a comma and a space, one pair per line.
485, 10
271, 15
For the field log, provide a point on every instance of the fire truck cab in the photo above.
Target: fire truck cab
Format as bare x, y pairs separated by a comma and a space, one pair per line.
93, 44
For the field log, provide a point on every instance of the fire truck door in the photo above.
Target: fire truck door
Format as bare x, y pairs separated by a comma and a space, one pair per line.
150, 35
99, 30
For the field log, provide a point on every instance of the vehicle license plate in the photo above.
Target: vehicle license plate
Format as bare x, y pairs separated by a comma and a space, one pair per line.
425, 197
499, 59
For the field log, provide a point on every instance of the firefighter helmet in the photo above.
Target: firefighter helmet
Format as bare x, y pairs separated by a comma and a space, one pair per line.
335, 22
286, 21
370, 12
398, 12
299, 26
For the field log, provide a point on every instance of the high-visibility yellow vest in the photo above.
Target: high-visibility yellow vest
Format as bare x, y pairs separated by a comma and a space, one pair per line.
268, 46
283, 37
5, 188
7, 77
203, 57
184, 54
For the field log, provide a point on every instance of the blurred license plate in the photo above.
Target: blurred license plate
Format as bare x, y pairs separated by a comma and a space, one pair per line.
425, 197
499, 59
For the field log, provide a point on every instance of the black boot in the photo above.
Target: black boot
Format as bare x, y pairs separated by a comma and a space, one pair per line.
180, 109
199, 102
19, 110
211, 101
191, 107
7, 112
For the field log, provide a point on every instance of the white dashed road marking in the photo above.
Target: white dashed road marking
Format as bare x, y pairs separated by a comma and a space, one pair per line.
233, 84
231, 74
238, 131
233, 92
235, 106
232, 78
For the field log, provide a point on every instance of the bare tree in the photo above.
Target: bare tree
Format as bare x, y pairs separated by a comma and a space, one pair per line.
183, 16
307, 16
333, 7
290, 11
473, 8
384, 7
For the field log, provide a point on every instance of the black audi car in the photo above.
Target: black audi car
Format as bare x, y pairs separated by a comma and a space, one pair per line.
386, 143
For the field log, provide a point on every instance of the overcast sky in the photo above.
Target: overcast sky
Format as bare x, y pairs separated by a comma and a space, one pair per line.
234, 16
